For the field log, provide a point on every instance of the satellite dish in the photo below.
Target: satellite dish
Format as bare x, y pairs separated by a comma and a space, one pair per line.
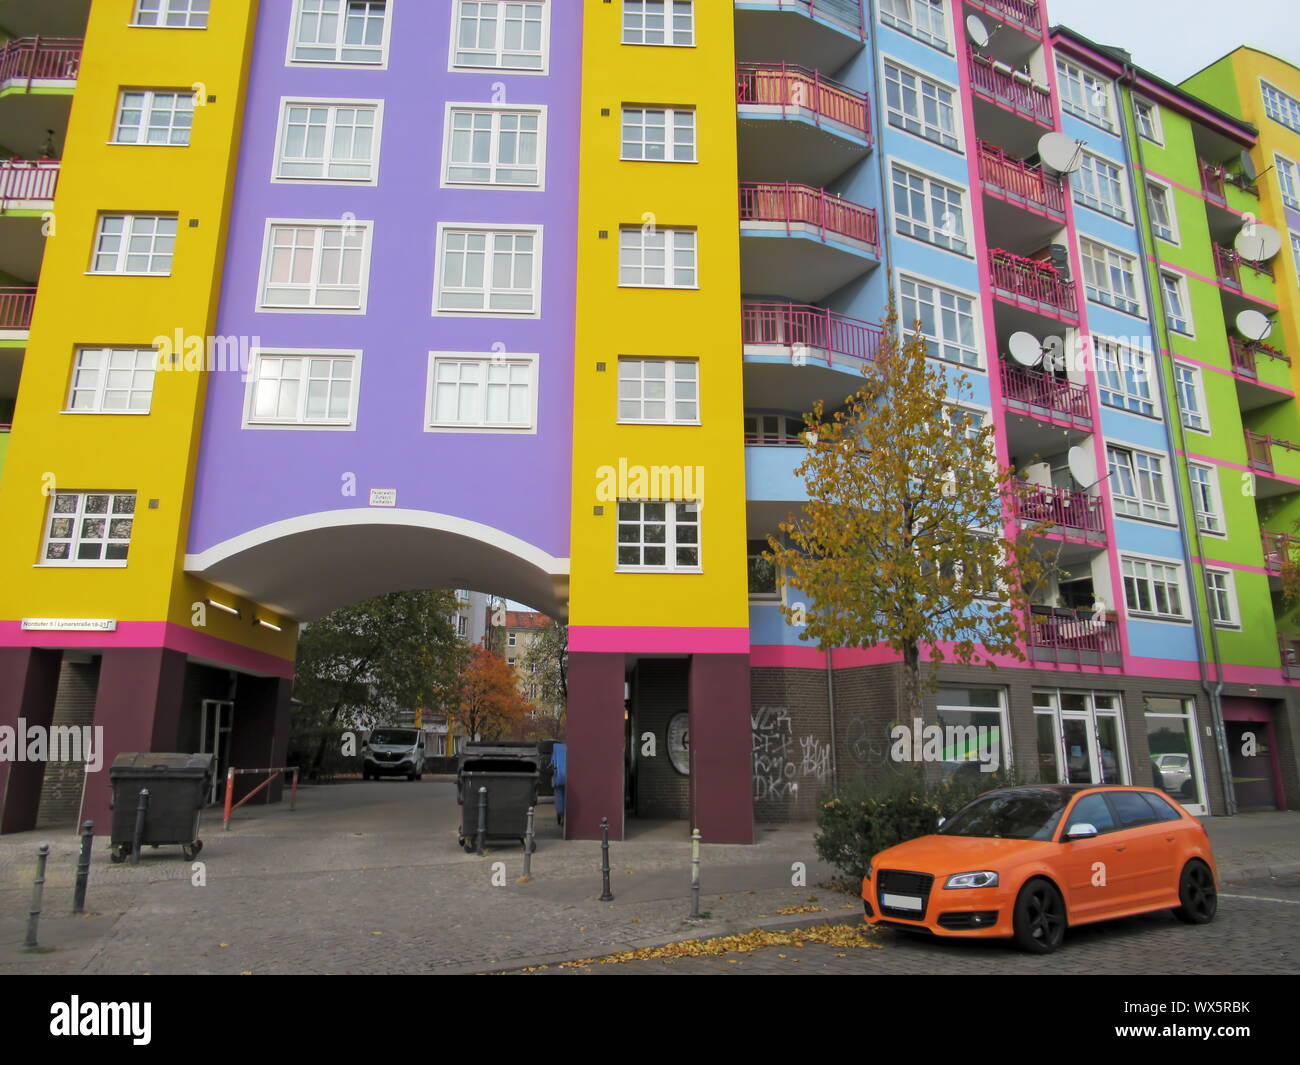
1257, 242
977, 31
1254, 325
1061, 152
1083, 466
1248, 169
1025, 348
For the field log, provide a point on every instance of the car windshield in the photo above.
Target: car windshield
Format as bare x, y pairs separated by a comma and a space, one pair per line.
393, 737
1031, 814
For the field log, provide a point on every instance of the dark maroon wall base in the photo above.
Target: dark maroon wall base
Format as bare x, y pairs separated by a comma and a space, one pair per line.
260, 737
29, 682
721, 749
594, 730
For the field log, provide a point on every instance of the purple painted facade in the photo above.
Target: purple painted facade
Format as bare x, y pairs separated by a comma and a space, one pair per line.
517, 483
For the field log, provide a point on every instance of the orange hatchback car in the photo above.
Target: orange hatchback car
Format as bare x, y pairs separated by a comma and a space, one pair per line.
1028, 861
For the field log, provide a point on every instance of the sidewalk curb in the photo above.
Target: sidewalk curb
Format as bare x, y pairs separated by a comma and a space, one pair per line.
1237, 874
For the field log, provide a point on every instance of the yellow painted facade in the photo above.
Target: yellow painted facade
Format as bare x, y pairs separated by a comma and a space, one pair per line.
153, 455
701, 323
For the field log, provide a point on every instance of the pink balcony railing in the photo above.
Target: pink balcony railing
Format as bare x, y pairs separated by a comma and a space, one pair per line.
1245, 355
1083, 631
803, 204
1026, 12
1011, 88
16, 307
1212, 180
793, 87
1065, 508
1225, 266
1289, 646
27, 179
1020, 180
1279, 549
1032, 279
797, 325
1044, 391
40, 59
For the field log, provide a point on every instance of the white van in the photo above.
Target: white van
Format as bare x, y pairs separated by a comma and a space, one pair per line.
393, 752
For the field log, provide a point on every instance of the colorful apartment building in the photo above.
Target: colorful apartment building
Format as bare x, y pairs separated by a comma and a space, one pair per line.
340, 297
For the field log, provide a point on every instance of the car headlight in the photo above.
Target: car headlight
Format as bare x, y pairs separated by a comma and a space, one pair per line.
984, 878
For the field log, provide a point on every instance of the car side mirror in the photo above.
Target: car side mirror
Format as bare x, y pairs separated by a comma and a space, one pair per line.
1081, 830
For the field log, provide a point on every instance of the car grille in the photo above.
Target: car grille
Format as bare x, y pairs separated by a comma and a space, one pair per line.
901, 882
388, 756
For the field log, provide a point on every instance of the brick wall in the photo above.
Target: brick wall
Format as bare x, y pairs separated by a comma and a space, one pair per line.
74, 705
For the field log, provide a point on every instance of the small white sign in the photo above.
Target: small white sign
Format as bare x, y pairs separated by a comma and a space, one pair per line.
383, 497
69, 624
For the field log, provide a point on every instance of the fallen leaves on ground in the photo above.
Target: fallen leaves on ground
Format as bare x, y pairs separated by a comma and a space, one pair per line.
801, 909
831, 935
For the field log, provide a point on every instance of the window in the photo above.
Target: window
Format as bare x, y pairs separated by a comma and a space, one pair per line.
113, 380
462, 625
1084, 94
1295, 251
1109, 276
923, 19
1171, 739
1153, 588
148, 116
501, 34
86, 528
1205, 498
1100, 185
658, 536
1164, 220
659, 390
762, 571
773, 429
511, 639
1148, 120
340, 31
920, 106
1137, 484
1280, 107
328, 142
657, 258
1191, 397
647, 137
648, 22
929, 210
495, 146
482, 392
134, 244
1092, 810
1177, 312
1288, 180
489, 271
1134, 811
947, 321
1124, 376
1221, 597
315, 266
303, 388
172, 14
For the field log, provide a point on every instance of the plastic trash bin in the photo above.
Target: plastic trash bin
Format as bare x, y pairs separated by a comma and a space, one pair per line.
177, 784
511, 781
559, 756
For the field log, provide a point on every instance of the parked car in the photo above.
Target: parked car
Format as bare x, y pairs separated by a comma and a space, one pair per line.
1027, 862
393, 752
1174, 773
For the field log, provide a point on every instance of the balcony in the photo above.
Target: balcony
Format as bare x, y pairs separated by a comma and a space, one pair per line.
818, 34
1276, 462
1014, 180
1071, 513
1032, 284
1279, 550
796, 90
1289, 648
1228, 264
37, 62
16, 309
808, 333
1012, 89
1044, 395
1073, 637
1025, 13
1212, 181
1244, 355
28, 184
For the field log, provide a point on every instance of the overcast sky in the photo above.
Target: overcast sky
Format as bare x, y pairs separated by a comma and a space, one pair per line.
1176, 38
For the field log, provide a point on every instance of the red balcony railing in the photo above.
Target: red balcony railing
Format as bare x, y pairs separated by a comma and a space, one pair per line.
27, 179
40, 59
1011, 87
1225, 266
1289, 646
1032, 279
1245, 355
1084, 631
1026, 12
1065, 508
16, 307
1045, 391
793, 87
1212, 180
1259, 449
1020, 180
797, 325
1279, 549
802, 204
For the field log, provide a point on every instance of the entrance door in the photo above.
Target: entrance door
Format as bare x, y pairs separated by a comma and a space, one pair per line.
1251, 758
215, 721
1080, 743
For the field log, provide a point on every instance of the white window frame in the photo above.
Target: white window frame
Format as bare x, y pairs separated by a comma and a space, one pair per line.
545, 51
166, 8
129, 220
1089, 170
300, 420
670, 115
670, 543
1111, 253
959, 244
954, 104
670, 398
941, 342
1157, 133
1179, 282
1288, 180
901, 15
1207, 500
1158, 190
1295, 250
101, 386
1128, 367
1143, 571
1153, 470
669, 16
367, 240
1225, 594
1196, 382
338, 63
486, 360
1087, 112
1287, 111
671, 237
333, 105
78, 516
447, 228
146, 113
497, 111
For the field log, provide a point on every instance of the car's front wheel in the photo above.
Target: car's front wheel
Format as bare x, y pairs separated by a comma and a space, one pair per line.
1039, 918
1197, 893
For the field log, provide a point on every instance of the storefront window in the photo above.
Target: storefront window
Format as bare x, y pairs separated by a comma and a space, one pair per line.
1171, 738
975, 735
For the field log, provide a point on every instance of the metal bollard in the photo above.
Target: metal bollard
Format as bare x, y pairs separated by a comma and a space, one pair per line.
605, 894
141, 807
529, 845
482, 819
38, 889
83, 867
695, 874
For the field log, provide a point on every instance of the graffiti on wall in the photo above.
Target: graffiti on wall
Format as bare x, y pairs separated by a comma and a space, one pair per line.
783, 762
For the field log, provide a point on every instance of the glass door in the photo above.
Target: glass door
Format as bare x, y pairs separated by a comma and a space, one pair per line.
1080, 747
